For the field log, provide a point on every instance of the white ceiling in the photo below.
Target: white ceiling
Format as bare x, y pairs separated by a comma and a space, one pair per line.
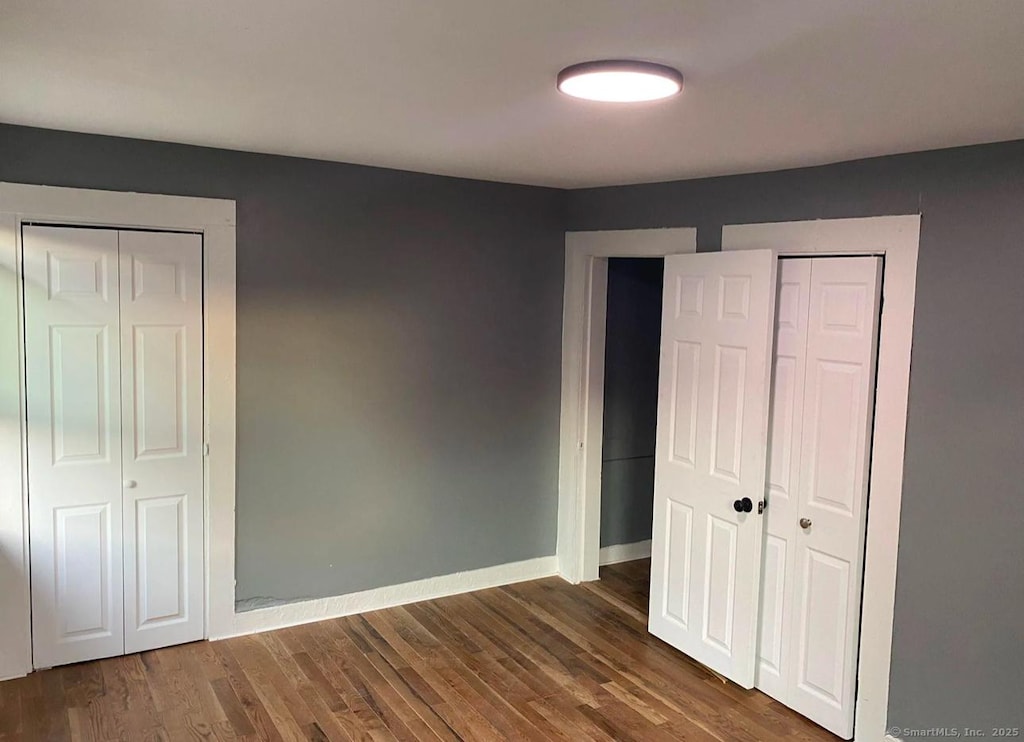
466, 87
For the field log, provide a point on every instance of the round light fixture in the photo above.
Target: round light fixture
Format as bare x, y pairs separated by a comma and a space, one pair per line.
620, 81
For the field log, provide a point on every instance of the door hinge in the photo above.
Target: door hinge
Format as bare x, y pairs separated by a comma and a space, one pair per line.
761, 505
206, 449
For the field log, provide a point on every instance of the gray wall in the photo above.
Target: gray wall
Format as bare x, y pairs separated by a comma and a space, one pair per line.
958, 654
632, 345
398, 386
399, 350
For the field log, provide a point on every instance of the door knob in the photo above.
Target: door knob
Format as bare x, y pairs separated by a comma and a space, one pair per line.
743, 506
129, 483
805, 522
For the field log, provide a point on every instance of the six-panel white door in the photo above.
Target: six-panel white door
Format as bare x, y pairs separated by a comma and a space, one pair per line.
72, 371
818, 474
113, 325
161, 406
716, 350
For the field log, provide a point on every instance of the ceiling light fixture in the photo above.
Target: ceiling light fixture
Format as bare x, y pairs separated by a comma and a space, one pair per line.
620, 81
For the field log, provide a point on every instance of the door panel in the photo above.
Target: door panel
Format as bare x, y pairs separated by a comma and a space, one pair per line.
79, 379
831, 447
684, 411
720, 583
161, 371
711, 451
74, 431
82, 551
842, 342
824, 628
773, 603
159, 400
677, 561
727, 421
161, 537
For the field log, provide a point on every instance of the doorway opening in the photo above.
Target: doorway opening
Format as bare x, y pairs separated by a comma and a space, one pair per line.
632, 343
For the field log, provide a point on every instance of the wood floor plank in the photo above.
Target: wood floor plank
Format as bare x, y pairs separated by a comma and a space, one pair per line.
535, 660
233, 708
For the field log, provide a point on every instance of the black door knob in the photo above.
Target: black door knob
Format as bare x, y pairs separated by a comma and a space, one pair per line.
743, 506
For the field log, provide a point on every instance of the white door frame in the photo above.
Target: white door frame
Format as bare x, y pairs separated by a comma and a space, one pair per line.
583, 335
581, 424
215, 219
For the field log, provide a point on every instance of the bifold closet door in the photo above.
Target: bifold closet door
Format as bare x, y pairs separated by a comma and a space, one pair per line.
113, 345
162, 444
711, 450
823, 403
73, 370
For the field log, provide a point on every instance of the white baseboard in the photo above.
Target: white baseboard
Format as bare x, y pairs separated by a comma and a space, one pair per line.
321, 609
624, 552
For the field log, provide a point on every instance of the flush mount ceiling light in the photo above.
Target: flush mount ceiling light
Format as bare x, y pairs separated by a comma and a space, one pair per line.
620, 81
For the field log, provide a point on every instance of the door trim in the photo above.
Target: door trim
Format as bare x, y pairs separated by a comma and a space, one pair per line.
896, 238
584, 307
215, 220
580, 434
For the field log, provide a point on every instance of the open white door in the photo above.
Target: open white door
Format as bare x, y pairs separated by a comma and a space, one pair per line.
712, 440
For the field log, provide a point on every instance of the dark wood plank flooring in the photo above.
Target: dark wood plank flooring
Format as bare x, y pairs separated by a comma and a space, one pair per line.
537, 660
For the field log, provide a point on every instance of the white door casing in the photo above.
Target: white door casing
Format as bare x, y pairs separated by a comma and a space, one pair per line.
711, 450
74, 442
162, 410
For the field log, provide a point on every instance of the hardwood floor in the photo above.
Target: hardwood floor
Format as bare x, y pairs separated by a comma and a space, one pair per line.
537, 660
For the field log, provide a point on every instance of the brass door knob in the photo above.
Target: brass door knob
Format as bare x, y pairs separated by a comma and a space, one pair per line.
805, 522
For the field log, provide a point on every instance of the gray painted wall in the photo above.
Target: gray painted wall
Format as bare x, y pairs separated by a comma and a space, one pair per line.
632, 346
399, 350
399, 340
958, 654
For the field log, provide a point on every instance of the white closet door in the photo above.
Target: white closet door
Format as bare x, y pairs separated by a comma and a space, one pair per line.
716, 350
72, 368
784, 438
161, 373
842, 340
